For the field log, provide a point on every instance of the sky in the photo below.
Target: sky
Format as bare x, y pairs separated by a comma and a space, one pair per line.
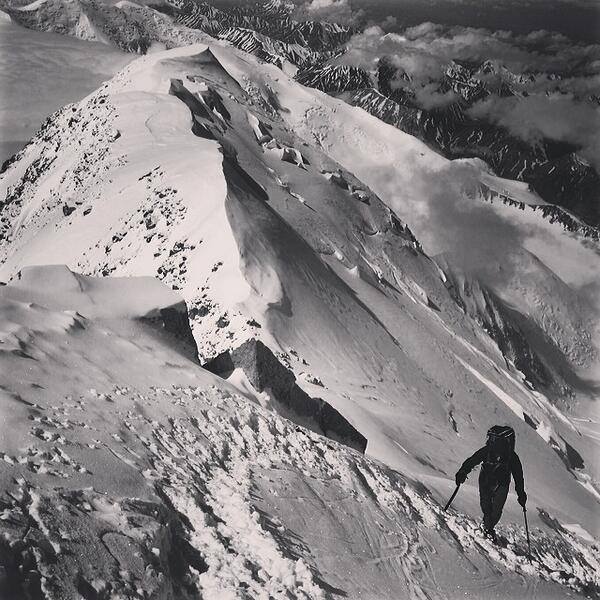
578, 19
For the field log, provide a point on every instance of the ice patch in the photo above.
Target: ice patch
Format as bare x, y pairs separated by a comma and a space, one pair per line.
579, 531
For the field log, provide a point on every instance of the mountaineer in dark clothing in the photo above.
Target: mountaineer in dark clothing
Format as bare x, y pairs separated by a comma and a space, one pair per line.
499, 461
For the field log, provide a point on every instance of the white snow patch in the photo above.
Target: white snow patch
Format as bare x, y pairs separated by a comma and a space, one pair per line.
579, 531
514, 406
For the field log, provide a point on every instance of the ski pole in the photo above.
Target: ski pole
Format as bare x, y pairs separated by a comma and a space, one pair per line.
527, 531
451, 498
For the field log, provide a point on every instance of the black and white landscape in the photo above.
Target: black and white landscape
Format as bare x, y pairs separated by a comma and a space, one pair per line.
268, 279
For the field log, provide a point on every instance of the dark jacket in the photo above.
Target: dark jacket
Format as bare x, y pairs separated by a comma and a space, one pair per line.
496, 471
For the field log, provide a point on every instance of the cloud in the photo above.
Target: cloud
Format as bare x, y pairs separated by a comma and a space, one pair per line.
337, 11
537, 52
389, 23
487, 240
555, 79
429, 97
419, 66
366, 48
441, 209
538, 117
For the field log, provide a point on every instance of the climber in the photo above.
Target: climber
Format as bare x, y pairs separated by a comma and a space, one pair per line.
499, 461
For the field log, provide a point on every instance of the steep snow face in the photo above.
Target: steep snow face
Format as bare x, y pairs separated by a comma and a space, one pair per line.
544, 312
431, 193
129, 471
189, 166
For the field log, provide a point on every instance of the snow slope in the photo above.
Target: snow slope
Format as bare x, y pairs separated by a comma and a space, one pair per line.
220, 176
40, 72
129, 471
404, 172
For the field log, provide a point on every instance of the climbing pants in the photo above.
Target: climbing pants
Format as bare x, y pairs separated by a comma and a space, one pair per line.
491, 500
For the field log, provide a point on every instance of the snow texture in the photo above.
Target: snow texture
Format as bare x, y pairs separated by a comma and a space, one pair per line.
130, 471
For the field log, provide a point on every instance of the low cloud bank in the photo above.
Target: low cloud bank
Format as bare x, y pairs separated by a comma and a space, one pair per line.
556, 117
555, 82
337, 11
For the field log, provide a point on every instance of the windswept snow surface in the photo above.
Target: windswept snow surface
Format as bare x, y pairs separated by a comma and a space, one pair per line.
129, 471
226, 180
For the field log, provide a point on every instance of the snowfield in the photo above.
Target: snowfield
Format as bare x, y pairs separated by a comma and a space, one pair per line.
160, 480
130, 471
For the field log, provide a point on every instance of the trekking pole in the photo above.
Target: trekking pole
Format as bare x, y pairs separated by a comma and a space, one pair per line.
451, 498
527, 531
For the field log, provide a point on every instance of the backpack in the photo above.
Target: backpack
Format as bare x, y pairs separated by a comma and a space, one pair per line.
500, 446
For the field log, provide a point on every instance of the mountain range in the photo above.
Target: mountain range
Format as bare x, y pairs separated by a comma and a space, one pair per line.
311, 50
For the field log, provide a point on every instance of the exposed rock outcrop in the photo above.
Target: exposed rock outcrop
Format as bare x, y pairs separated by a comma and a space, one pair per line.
266, 373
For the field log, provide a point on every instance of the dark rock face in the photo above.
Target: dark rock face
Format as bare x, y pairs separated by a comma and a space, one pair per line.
265, 372
175, 321
334, 78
